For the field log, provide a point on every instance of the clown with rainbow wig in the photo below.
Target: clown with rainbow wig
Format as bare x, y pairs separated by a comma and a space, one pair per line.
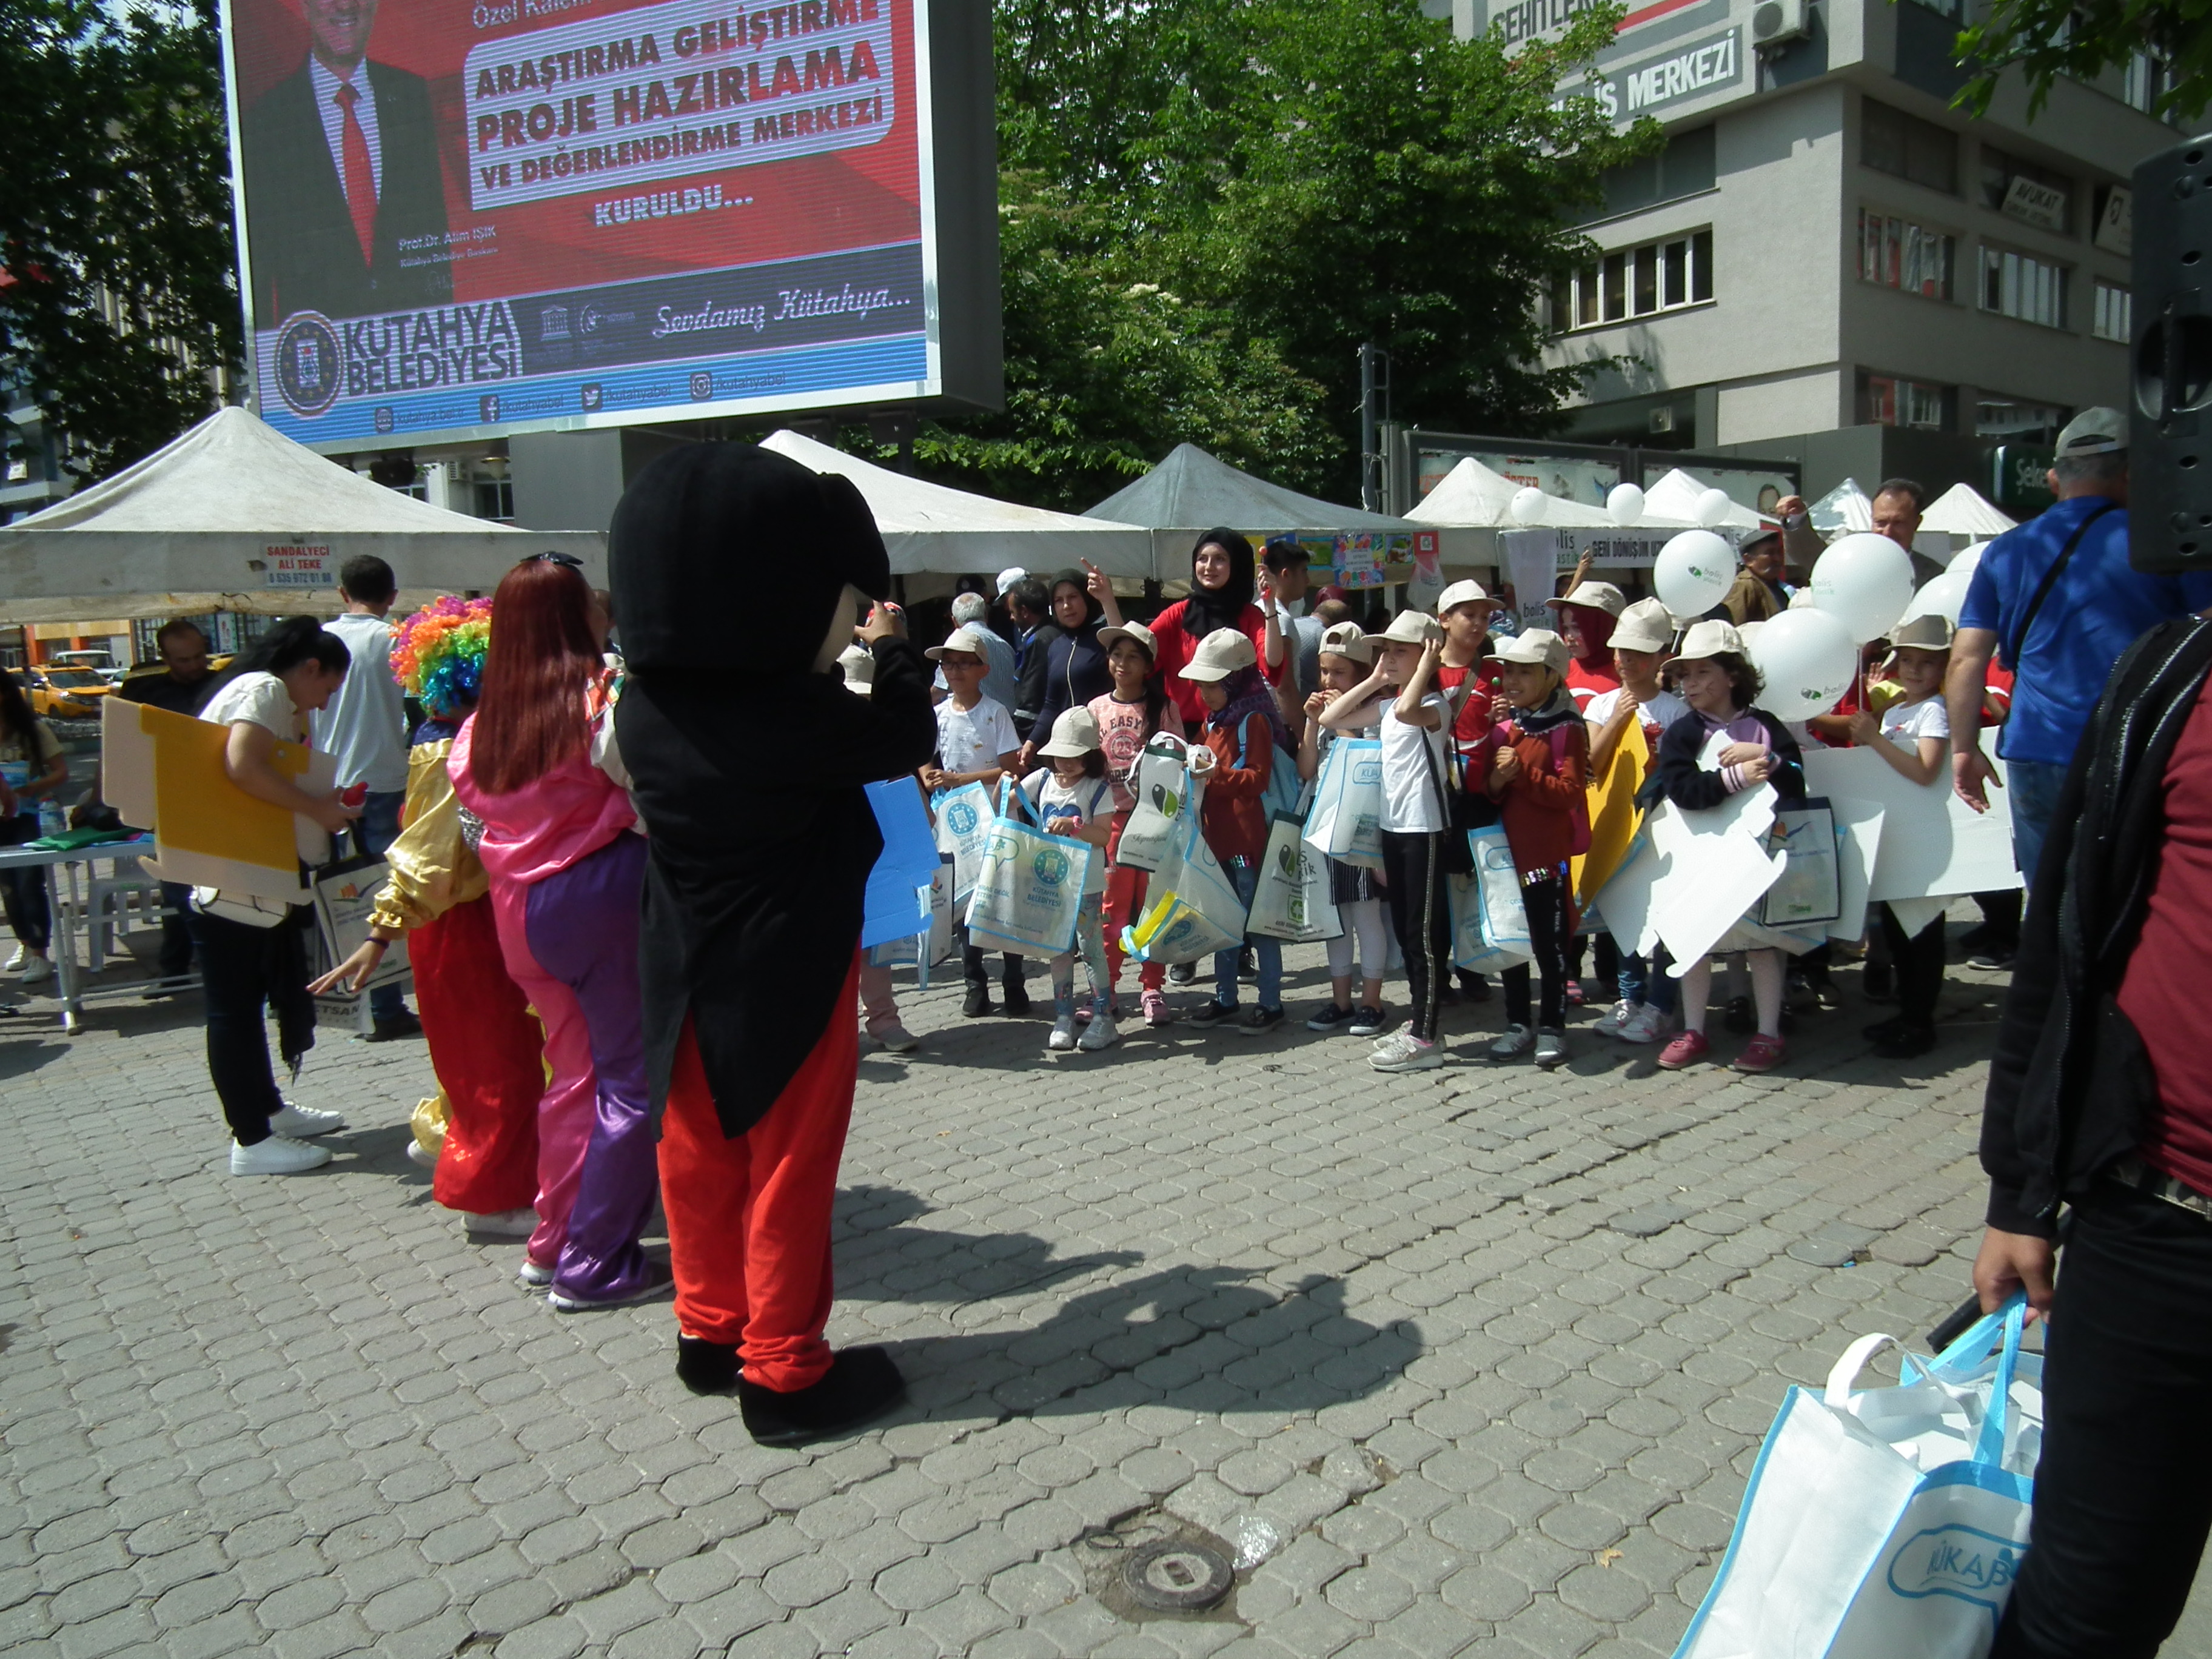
484, 1040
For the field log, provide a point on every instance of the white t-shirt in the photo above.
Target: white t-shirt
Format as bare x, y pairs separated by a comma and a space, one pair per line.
260, 700
1657, 714
972, 739
1063, 810
363, 727
1905, 723
1413, 798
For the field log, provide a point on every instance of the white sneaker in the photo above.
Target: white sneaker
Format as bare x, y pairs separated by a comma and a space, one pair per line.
1402, 1051
417, 1153
276, 1155
22, 954
298, 1123
1643, 1026
530, 1273
1063, 1040
36, 969
502, 1224
1614, 1020
1099, 1034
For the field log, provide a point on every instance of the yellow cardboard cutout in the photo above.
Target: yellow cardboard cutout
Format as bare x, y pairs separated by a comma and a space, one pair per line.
1614, 817
164, 772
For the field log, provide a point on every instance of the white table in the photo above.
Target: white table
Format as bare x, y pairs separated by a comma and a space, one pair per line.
63, 900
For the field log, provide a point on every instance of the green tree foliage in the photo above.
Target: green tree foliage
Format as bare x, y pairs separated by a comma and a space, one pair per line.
1207, 205
2046, 38
119, 297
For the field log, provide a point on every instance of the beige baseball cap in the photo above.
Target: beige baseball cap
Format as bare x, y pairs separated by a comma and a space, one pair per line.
1220, 655
968, 637
1647, 625
1539, 646
1074, 734
1596, 596
1410, 628
2097, 431
1710, 639
1464, 592
1927, 632
1135, 632
1348, 639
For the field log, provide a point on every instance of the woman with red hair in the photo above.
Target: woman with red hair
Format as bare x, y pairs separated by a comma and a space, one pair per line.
535, 765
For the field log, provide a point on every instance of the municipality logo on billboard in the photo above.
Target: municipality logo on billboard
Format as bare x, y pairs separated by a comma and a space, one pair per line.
444, 348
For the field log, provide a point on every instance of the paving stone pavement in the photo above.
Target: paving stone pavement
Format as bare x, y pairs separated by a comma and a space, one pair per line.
1477, 1358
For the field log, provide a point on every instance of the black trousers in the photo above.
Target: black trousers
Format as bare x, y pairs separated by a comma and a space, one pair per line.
2124, 1493
1420, 910
1918, 962
23, 892
242, 970
1550, 935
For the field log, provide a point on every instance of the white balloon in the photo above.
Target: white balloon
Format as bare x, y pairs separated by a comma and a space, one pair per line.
1529, 506
1694, 571
1967, 558
1713, 508
1865, 582
1807, 659
1625, 502
1940, 596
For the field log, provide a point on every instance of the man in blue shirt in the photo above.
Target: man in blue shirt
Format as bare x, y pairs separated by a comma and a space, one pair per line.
2057, 602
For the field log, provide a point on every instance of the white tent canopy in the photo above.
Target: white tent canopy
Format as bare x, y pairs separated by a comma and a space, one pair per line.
1962, 510
934, 527
235, 516
1844, 511
1472, 494
1674, 499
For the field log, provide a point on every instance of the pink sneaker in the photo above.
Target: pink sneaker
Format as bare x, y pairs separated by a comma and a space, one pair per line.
1685, 1050
1156, 1009
1761, 1054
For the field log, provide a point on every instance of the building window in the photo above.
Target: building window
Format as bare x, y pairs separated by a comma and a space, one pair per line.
2023, 286
2015, 421
1638, 282
1941, 8
1898, 253
2034, 195
1908, 148
1685, 167
2115, 318
495, 499
1889, 400
2145, 80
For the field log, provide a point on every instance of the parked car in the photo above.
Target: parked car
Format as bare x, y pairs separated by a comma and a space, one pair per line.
102, 662
61, 693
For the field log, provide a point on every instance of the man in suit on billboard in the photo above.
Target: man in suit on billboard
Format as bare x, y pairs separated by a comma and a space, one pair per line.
342, 182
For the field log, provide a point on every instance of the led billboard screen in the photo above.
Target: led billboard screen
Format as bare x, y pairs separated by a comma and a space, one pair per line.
461, 219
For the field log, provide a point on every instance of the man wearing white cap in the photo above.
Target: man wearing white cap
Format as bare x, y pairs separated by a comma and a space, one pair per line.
2056, 600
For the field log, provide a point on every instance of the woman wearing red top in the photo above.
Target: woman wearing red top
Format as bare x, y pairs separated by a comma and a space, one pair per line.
1221, 586
1586, 618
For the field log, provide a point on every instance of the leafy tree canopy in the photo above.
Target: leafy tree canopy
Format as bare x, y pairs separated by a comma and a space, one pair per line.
118, 298
2046, 38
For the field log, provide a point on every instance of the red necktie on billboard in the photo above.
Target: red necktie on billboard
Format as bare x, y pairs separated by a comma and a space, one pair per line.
360, 176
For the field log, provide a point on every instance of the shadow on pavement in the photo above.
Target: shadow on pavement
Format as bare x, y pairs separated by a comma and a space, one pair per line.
878, 1259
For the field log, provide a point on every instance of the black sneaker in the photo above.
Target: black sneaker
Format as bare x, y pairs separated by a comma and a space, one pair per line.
977, 1003
1907, 1042
861, 1384
396, 1029
1013, 1000
1371, 1021
1740, 1017
1209, 1014
1331, 1018
1259, 1022
1182, 973
1883, 1029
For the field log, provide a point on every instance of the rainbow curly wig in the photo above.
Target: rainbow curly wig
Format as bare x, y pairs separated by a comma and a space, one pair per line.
437, 653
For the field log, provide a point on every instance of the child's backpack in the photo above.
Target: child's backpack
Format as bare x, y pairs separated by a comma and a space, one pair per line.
1281, 795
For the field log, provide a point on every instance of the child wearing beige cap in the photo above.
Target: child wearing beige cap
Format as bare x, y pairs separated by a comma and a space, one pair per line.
1074, 799
1128, 716
1346, 654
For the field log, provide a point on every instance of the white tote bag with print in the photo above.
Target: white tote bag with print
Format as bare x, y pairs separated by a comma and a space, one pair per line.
1160, 780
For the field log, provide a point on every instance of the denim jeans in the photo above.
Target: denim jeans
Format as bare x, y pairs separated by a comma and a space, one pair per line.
1268, 952
2034, 785
376, 829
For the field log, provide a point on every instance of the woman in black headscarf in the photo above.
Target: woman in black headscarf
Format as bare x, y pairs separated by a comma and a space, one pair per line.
1074, 665
753, 899
1221, 586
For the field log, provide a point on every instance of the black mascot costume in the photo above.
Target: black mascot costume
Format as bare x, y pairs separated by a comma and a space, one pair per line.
747, 756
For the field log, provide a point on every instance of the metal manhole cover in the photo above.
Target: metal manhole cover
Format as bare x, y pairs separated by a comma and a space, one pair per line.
1175, 1577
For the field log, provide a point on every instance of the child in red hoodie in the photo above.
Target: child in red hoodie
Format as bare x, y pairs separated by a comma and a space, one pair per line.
1537, 778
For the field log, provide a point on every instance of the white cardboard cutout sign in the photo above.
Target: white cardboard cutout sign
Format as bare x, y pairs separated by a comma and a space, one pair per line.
1933, 844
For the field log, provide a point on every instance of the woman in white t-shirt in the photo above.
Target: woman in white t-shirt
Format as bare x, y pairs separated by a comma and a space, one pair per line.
253, 953
32, 766
1914, 737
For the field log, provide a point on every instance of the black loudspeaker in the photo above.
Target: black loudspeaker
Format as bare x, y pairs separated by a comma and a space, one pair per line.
2170, 470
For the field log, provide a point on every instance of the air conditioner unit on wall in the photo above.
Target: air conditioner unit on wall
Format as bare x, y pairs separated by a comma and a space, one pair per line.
1776, 22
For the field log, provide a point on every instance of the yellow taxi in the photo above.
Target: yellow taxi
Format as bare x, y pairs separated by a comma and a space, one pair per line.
64, 693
